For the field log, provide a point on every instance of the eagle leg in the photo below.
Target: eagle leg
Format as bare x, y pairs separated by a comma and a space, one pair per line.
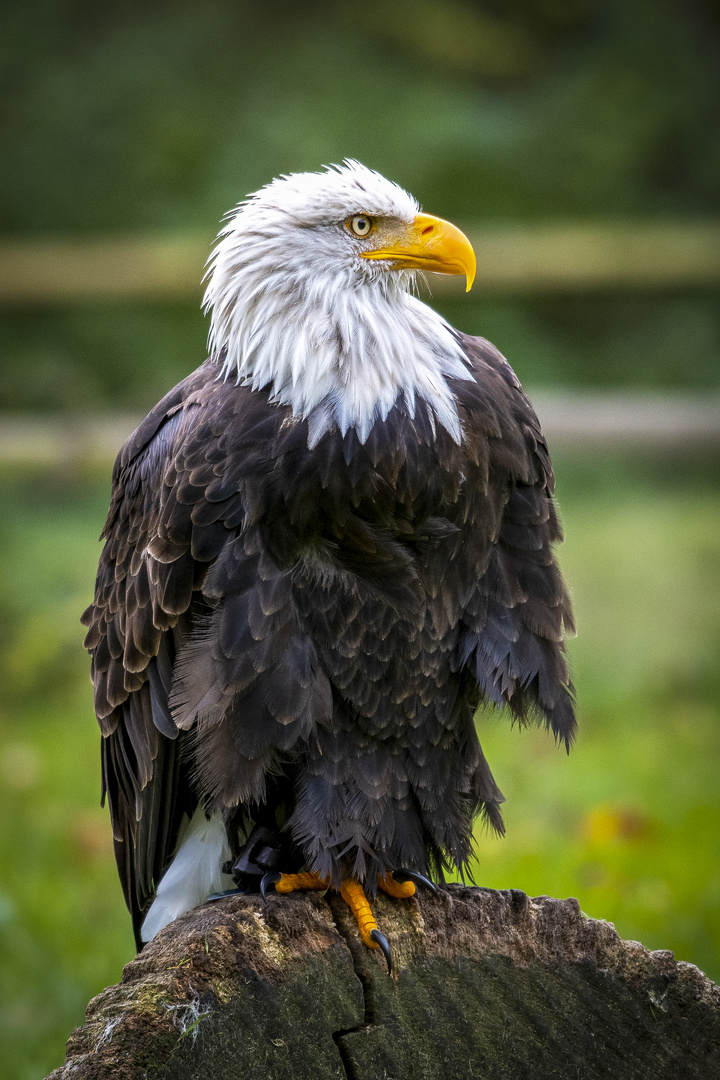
267, 881
404, 878
354, 896
400, 888
287, 883
264, 852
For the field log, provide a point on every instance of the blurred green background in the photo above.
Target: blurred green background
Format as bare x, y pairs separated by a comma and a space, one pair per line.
127, 118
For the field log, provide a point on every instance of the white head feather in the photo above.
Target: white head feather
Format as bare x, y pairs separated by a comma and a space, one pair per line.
296, 308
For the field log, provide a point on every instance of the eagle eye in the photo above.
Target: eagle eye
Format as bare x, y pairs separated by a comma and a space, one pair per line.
360, 225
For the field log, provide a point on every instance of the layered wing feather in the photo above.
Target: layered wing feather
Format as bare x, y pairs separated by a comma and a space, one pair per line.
202, 674
518, 615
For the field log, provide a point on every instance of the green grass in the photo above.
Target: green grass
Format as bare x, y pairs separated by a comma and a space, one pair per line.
629, 822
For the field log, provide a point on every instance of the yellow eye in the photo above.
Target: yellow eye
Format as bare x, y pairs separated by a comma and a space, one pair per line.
360, 225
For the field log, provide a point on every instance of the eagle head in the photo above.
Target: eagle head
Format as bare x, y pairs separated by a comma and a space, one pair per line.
310, 294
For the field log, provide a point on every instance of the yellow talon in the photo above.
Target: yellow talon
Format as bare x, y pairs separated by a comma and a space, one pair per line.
305, 880
354, 896
401, 890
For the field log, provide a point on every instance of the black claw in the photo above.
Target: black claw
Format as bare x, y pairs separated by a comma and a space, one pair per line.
268, 879
410, 875
382, 942
228, 892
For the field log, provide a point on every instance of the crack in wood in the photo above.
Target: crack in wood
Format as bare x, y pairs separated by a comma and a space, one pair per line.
370, 1019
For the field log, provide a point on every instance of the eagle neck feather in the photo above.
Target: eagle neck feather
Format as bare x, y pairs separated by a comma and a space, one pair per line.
338, 351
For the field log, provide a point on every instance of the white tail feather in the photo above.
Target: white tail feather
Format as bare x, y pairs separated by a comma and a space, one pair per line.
194, 873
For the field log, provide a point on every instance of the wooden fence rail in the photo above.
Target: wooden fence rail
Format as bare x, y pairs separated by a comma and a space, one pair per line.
564, 257
575, 420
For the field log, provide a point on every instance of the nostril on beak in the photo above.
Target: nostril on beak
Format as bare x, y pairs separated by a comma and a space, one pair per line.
427, 230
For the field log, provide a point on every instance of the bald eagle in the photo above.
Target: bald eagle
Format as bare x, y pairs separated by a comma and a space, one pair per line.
325, 548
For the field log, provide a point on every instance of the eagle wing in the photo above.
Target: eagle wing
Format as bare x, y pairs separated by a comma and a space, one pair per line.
519, 612
192, 626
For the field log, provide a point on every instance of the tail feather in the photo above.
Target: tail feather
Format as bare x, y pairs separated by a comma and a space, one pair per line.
194, 873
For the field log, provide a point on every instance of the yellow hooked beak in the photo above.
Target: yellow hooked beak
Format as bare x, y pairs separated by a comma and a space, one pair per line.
429, 244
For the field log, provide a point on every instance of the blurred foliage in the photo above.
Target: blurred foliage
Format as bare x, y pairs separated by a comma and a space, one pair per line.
63, 930
629, 823
127, 116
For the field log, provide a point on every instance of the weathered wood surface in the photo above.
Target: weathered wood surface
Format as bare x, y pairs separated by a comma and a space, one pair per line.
486, 984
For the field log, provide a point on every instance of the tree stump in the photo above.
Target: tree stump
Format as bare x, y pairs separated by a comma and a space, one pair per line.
485, 984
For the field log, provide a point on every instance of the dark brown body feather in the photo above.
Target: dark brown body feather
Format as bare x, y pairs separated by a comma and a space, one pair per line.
303, 636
